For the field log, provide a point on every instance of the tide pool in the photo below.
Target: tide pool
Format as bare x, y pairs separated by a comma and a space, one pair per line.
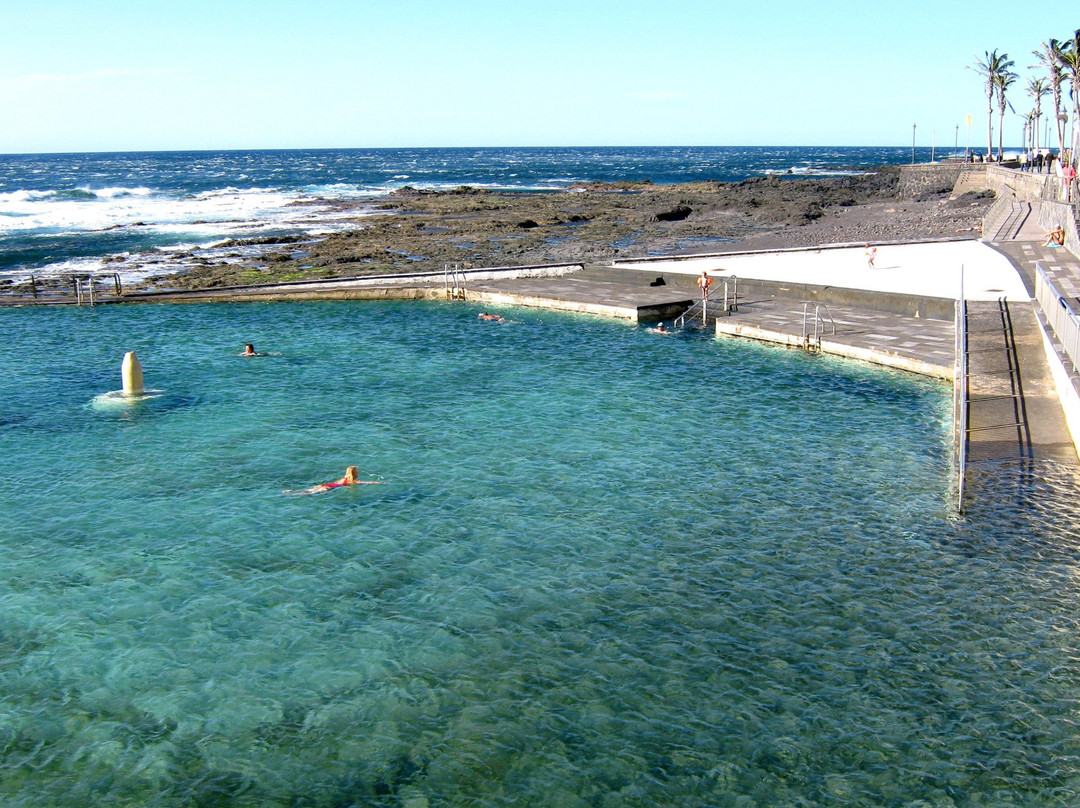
605, 567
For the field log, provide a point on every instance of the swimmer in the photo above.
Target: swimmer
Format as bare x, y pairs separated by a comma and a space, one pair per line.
493, 317
660, 329
350, 478
249, 350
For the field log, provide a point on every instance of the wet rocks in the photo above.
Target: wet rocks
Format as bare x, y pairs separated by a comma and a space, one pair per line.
419, 230
676, 214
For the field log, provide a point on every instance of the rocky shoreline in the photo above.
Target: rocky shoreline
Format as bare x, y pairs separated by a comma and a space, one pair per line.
415, 230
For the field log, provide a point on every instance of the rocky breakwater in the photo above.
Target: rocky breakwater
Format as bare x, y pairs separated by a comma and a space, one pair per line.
416, 230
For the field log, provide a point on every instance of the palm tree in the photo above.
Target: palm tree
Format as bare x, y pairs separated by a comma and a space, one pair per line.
1002, 82
994, 65
1049, 57
1069, 59
1038, 90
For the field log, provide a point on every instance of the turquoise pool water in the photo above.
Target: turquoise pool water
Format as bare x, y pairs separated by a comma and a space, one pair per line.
606, 567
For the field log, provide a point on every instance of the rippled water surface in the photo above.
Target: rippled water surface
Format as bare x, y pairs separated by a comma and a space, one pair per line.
605, 568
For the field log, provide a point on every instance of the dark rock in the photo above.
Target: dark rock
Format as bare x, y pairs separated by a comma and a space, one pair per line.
676, 214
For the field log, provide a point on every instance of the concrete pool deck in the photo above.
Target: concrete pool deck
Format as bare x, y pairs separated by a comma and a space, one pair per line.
927, 269
905, 274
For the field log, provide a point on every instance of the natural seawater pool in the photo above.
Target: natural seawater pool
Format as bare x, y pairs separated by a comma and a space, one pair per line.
606, 568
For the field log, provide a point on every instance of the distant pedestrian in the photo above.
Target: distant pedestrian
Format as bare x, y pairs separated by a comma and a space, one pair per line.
871, 254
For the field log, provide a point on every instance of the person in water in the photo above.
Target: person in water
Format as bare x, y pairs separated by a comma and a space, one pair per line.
494, 317
351, 478
249, 350
661, 329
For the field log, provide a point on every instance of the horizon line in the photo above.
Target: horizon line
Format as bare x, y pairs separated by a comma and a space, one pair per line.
975, 150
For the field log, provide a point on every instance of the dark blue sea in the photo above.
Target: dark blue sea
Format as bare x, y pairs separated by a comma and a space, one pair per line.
67, 212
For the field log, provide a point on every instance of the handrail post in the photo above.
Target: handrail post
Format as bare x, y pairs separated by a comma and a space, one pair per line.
960, 415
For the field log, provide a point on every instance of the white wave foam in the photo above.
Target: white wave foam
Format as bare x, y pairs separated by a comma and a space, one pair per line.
813, 171
221, 211
110, 193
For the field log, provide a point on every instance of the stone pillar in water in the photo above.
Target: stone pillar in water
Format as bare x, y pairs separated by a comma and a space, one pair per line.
131, 371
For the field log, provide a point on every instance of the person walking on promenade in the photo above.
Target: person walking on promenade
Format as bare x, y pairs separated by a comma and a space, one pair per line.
871, 254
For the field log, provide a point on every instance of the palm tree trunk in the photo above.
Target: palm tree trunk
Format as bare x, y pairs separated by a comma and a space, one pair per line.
1001, 131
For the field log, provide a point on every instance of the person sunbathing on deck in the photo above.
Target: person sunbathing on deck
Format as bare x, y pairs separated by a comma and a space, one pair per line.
1056, 237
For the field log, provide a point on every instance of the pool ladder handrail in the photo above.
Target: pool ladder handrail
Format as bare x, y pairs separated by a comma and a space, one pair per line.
815, 343
454, 281
730, 304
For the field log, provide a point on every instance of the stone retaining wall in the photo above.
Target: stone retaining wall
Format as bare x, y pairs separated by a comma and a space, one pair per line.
1021, 185
1060, 214
929, 178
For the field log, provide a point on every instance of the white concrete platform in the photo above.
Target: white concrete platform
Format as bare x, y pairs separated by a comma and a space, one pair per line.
931, 269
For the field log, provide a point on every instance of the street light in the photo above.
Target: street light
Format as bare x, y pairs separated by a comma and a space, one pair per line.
913, 144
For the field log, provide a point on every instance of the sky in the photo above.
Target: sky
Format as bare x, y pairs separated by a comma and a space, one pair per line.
139, 75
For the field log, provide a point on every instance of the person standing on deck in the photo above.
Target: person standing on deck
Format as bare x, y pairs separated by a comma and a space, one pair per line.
704, 282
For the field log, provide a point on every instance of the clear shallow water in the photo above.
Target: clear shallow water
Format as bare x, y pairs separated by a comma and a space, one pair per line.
605, 568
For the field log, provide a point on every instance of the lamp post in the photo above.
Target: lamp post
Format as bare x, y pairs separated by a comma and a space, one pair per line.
913, 144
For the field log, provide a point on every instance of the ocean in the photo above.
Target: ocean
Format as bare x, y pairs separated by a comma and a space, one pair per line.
62, 213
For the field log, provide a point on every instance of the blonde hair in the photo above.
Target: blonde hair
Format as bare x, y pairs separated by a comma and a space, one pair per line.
351, 473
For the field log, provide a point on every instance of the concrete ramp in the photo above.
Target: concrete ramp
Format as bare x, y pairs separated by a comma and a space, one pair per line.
1013, 407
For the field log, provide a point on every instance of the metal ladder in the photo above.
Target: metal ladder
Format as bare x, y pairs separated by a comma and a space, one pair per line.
813, 343
701, 308
454, 281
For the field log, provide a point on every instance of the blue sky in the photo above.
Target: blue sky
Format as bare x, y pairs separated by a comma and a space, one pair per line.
114, 75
